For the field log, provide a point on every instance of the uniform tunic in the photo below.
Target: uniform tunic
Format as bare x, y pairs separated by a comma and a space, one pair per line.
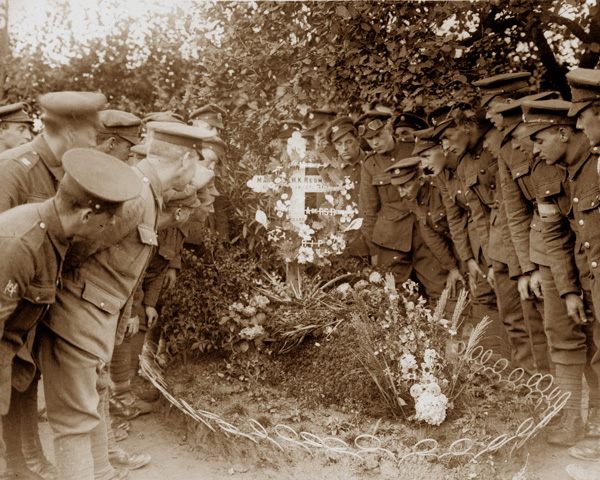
34, 246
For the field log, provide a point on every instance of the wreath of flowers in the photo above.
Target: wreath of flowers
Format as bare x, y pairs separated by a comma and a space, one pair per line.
323, 230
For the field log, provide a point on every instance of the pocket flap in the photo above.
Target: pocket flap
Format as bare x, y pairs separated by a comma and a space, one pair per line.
100, 298
520, 170
588, 201
471, 180
548, 189
147, 235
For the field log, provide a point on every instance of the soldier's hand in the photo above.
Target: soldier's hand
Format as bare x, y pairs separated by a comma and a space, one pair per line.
535, 284
170, 279
576, 309
453, 278
374, 260
474, 269
524, 287
133, 326
151, 316
490, 278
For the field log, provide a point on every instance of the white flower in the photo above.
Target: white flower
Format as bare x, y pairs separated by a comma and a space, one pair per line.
416, 390
431, 408
375, 277
344, 289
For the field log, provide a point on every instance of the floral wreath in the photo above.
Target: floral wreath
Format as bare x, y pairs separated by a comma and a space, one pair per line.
322, 231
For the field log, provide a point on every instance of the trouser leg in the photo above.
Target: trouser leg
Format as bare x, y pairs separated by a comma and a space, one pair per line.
431, 275
70, 376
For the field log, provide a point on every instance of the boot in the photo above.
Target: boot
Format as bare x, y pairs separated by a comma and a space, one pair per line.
119, 458
569, 432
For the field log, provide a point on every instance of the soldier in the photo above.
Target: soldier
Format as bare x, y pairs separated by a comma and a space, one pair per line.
209, 117
31, 173
405, 125
120, 131
317, 121
92, 311
15, 126
342, 134
563, 202
170, 117
388, 225
425, 203
35, 239
285, 130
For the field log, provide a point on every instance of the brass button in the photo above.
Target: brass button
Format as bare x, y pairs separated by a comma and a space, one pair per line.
482, 172
586, 244
37, 299
575, 201
102, 304
145, 179
42, 225
594, 264
547, 192
580, 222
459, 192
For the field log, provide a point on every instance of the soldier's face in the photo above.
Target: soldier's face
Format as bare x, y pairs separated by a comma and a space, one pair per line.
382, 141
347, 147
435, 161
14, 134
549, 145
588, 122
410, 189
455, 140
405, 133
521, 141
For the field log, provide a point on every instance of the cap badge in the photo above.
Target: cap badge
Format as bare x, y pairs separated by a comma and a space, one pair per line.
335, 129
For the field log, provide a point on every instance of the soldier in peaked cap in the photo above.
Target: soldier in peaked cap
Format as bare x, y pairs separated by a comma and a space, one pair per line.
569, 213
119, 132
317, 121
585, 99
285, 130
31, 173
92, 311
427, 207
500, 87
388, 224
405, 124
209, 117
15, 125
34, 240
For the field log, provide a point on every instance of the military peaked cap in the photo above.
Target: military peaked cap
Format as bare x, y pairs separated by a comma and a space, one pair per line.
215, 144
404, 170
122, 124
287, 128
104, 178
163, 117
372, 122
72, 104
424, 140
211, 114
179, 134
409, 120
585, 88
502, 84
314, 118
15, 113
542, 114
340, 127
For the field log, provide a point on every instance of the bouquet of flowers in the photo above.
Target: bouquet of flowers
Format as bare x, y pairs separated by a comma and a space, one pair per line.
403, 346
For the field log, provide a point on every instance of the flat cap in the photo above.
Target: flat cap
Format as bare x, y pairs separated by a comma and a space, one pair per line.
72, 104
585, 88
108, 180
406, 119
404, 170
162, 117
541, 114
287, 128
424, 140
179, 134
185, 198
340, 127
502, 84
215, 144
120, 123
211, 114
370, 123
15, 113
315, 117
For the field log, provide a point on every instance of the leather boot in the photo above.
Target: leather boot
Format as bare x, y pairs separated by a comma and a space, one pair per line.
569, 432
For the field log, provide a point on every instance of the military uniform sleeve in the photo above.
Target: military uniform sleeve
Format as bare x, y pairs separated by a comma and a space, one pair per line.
369, 204
438, 246
17, 270
457, 222
518, 215
560, 245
